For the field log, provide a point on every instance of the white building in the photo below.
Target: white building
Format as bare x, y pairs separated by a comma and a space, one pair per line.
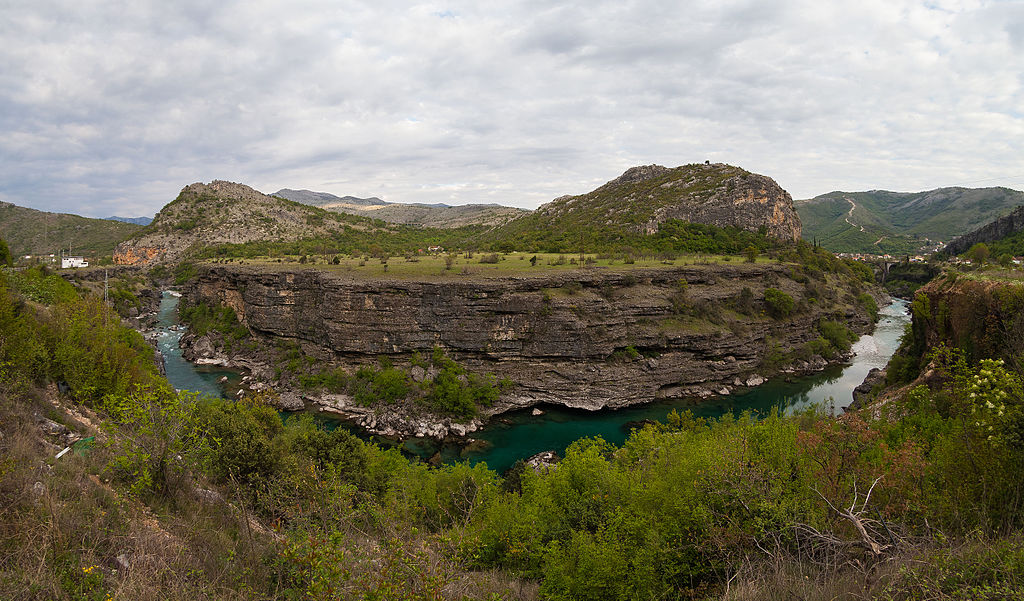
67, 262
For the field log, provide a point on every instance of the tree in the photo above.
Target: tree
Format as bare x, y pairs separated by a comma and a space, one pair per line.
751, 253
5, 254
978, 253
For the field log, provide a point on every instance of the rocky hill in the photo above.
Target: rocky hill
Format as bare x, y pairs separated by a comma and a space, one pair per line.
427, 215
224, 212
999, 229
880, 221
642, 198
31, 232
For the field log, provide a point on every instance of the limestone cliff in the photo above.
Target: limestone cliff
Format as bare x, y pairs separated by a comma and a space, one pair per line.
589, 339
982, 316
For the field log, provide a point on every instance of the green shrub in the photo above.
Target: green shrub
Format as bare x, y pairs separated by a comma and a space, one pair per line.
184, 272
203, 318
42, 286
868, 302
837, 334
779, 303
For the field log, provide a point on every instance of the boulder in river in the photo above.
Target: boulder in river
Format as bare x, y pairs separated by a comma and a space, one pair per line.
862, 393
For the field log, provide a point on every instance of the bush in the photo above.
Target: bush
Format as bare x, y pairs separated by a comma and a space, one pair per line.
203, 318
838, 335
868, 302
744, 301
779, 303
184, 272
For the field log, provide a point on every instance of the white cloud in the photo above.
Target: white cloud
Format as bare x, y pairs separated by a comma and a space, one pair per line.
112, 109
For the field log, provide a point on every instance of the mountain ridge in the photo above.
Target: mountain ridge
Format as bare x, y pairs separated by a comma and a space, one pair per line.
34, 232
882, 221
135, 220
423, 214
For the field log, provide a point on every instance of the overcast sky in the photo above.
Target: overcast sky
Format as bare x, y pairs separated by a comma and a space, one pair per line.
112, 107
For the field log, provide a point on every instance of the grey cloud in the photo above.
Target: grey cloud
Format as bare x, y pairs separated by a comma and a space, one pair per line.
517, 102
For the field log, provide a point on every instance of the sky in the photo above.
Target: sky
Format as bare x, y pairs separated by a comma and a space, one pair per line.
112, 107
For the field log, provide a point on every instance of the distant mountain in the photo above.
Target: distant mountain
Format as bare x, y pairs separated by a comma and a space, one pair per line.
228, 213
31, 232
135, 220
642, 198
426, 215
326, 200
880, 221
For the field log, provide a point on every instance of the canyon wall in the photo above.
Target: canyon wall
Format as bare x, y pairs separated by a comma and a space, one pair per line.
585, 338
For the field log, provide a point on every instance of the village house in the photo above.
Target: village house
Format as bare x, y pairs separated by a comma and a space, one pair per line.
71, 262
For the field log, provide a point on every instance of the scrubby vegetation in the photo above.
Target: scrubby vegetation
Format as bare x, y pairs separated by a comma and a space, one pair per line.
443, 386
182, 497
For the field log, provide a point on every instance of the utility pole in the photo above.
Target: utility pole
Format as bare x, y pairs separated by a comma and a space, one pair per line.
105, 305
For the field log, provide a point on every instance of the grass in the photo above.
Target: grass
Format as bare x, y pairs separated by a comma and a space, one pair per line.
509, 264
1007, 276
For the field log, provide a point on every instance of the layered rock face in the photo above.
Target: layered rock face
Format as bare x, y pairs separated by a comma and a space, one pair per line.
589, 338
747, 202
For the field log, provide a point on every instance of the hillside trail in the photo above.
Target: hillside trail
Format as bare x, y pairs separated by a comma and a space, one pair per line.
849, 214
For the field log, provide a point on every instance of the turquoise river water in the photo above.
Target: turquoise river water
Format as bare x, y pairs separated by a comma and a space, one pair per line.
520, 434
182, 374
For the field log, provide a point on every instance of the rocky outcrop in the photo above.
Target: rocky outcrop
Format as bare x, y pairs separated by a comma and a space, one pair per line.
747, 202
129, 254
996, 230
644, 197
590, 339
983, 317
223, 212
862, 393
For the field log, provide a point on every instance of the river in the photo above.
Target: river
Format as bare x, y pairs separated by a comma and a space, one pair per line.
520, 434
183, 375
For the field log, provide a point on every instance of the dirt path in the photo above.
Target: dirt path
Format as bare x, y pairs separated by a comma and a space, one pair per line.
850, 214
